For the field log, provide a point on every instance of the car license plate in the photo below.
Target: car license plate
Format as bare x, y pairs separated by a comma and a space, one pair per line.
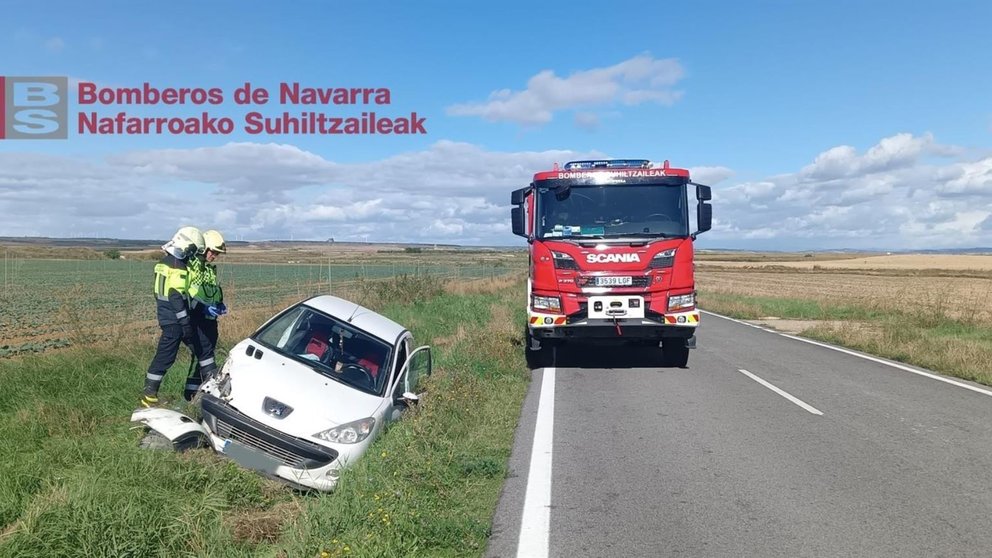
250, 457
614, 281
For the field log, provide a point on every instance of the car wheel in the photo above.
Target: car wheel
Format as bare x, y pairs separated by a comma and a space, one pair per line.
155, 441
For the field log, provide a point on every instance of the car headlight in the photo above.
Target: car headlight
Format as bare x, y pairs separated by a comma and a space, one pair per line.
663, 259
679, 302
563, 261
348, 433
546, 303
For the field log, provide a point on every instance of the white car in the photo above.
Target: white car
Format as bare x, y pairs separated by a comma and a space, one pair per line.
306, 394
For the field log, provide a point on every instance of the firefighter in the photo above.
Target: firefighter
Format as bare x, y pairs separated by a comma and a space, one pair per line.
206, 305
172, 305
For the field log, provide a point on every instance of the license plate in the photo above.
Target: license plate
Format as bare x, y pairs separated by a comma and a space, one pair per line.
614, 281
250, 457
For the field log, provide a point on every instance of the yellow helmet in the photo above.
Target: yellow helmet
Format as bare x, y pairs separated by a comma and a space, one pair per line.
189, 241
214, 241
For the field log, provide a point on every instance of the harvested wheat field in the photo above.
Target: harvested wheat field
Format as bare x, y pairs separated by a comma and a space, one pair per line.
955, 297
904, 262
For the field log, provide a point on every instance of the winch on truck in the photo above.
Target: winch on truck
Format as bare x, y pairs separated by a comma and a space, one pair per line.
611, 255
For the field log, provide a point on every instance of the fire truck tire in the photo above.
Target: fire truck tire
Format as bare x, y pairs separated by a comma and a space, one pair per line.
539, 355
675, 353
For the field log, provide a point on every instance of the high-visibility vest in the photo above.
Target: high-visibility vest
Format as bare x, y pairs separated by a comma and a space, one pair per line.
168, 278
203, 287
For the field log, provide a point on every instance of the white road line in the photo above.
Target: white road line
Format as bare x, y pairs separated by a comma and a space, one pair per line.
781, 392
535, 525
863, 356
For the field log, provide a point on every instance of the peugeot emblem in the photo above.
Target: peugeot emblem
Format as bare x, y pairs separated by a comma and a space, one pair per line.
275, 408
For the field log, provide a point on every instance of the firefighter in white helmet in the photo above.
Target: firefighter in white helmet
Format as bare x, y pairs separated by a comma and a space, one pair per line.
172, 281
206, 305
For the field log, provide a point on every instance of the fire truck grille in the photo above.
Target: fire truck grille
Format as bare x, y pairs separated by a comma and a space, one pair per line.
636, 282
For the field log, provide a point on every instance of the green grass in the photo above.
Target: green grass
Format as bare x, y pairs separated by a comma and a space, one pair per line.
74, 482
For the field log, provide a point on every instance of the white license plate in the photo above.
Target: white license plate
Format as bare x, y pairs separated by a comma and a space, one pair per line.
250, 457
614, 281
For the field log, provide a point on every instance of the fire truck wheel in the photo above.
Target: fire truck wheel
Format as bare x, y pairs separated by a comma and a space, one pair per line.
675, 353
539, 354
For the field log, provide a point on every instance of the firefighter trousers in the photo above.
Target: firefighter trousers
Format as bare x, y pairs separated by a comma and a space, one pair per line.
165, 356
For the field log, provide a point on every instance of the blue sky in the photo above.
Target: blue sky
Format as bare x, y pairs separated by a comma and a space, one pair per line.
750, 94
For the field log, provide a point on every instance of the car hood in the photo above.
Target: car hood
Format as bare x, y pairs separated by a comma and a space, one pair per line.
317, 402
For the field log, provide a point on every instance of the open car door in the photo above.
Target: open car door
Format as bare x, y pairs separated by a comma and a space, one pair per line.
404, 388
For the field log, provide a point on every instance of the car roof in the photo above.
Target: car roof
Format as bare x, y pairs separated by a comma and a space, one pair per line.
361, 317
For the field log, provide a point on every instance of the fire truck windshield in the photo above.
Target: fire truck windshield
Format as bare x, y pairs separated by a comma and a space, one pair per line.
612, 211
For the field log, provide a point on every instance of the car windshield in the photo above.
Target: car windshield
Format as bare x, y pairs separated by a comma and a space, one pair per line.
330, 347
612, 211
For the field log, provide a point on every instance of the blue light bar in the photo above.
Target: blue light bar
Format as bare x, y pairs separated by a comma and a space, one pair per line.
608, 164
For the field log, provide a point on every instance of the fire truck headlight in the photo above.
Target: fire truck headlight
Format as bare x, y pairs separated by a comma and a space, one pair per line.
680, 302
663, 259
546, 303
564, 261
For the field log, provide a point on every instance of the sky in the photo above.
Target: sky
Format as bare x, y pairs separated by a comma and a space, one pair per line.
820, 125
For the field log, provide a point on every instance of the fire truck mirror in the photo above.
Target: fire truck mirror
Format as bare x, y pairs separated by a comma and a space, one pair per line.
517, 196
704, 217
517, 217
703, 192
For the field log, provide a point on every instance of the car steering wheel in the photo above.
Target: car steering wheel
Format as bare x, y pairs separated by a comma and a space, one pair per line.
660, 215
359, 369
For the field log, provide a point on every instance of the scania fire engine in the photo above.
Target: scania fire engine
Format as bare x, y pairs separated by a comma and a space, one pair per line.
611, 255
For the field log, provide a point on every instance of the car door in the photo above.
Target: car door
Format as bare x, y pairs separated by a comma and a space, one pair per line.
417, 366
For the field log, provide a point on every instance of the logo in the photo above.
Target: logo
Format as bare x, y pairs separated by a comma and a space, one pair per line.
275, 408
34, 107
613, 258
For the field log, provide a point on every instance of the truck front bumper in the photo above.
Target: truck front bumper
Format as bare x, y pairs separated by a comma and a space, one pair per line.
653, 326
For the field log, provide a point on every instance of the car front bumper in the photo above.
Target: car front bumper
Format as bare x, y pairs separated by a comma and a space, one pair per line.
256, 446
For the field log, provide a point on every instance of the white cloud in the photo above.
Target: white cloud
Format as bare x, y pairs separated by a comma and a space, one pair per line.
895, 152
459, 193
641, 79
892, 196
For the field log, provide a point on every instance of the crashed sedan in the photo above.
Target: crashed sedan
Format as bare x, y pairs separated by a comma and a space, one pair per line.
306, 394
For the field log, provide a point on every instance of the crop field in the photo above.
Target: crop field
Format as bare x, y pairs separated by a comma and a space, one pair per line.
47, 304
934, 311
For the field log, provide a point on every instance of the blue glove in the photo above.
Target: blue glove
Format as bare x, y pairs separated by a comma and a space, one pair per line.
222, 308
213, 311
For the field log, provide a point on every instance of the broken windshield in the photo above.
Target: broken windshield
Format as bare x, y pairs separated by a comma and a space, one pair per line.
612, 211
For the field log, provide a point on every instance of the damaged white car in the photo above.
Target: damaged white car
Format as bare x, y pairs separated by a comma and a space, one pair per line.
306, 394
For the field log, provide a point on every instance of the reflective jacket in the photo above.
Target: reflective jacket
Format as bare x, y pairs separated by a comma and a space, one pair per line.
204, 288
172, 291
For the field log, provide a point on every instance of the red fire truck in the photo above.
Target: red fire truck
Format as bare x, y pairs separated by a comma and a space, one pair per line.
611, 255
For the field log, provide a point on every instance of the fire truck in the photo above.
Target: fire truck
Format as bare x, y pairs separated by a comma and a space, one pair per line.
611, 256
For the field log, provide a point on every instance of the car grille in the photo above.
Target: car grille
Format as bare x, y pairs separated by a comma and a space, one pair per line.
638, 281
230, 424
286, 457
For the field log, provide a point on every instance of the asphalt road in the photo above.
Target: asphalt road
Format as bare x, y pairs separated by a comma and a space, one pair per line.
809, 452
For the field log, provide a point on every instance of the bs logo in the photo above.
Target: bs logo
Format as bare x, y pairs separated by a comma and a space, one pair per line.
34, 107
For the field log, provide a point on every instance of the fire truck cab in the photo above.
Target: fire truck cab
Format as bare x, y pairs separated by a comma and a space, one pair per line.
611, 255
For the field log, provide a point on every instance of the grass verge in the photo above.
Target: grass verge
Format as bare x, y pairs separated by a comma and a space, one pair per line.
74, 482
921, 336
